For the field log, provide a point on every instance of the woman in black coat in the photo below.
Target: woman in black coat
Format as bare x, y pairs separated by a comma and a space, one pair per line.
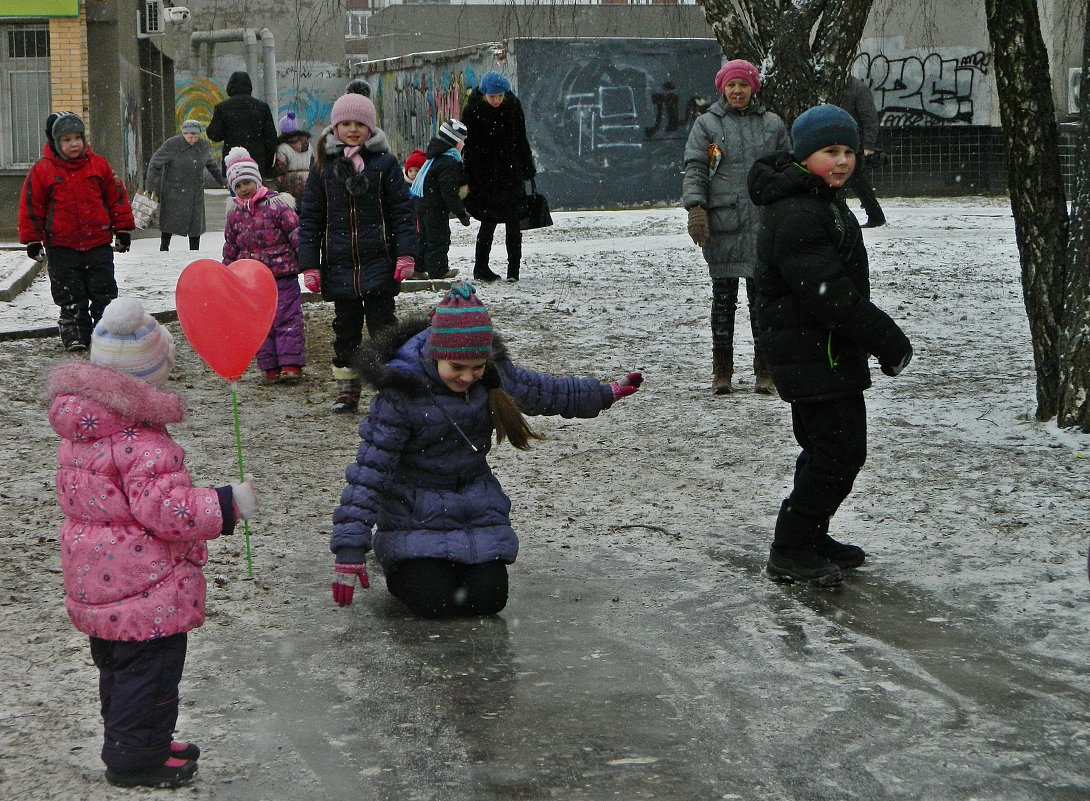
497, 161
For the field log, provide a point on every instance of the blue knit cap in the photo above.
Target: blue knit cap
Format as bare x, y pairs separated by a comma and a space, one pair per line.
823, 126
494, 83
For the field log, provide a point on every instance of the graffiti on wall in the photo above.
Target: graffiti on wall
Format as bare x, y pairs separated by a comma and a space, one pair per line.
929, 89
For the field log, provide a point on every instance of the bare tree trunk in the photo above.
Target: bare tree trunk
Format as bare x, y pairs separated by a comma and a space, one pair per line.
1033, 180
803, 48
1074, 403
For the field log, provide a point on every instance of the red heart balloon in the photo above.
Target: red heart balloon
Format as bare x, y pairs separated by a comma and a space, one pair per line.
226, 311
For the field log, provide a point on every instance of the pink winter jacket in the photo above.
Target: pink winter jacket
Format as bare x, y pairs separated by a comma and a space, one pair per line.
133, 543
265, 228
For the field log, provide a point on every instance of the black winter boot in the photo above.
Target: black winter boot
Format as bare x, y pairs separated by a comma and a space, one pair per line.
480, 263
841, 554
722, 369
793, 557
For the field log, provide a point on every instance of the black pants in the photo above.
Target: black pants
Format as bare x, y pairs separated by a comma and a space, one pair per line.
138, 691
512, 238
724, 304
436, 588
435, 233
860, 184
375, 310
82, 284
833, 436
164, 242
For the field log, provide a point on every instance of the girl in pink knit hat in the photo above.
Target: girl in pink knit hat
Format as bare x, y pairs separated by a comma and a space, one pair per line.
357, 235
723, 144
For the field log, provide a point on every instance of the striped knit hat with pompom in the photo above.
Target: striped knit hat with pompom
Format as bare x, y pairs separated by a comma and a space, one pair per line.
129, 339
241, 167
461, 329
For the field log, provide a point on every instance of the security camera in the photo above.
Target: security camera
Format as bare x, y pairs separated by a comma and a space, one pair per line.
176, 13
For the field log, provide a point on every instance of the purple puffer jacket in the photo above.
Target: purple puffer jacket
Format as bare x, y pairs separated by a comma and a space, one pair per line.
133, 543
266, 229
421, 474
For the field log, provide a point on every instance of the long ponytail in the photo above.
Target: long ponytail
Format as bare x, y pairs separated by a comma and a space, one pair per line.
507, 417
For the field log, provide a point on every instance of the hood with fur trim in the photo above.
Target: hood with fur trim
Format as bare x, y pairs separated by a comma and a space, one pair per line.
123, 400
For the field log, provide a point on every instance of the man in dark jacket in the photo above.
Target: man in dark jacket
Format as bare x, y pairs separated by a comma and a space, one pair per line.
244, 121
858, 101
444, 187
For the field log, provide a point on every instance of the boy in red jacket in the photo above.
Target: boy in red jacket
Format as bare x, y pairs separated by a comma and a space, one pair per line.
71, 208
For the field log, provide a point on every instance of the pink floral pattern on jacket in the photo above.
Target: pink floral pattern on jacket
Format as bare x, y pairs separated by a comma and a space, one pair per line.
266, 229
133, 543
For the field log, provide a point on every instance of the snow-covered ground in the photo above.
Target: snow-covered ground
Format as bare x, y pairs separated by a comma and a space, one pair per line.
643, 534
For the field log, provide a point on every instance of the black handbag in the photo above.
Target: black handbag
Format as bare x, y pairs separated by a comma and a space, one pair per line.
535, 210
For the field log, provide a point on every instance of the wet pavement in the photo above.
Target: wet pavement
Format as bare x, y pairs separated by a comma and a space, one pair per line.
607, 680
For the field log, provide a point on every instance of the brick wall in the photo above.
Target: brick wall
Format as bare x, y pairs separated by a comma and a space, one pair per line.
68, 66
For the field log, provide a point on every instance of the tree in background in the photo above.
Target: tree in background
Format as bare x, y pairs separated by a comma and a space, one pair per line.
803, 48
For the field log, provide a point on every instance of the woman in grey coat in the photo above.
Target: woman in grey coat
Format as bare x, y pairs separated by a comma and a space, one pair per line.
722, 146
176, 175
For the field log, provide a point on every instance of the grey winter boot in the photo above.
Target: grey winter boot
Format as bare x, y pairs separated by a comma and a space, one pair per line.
346, 384
722, 369
763, 384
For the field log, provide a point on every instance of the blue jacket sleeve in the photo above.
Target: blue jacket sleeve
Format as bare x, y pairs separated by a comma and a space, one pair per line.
566, 396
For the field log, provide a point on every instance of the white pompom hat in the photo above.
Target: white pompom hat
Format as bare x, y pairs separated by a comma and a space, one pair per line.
129, 339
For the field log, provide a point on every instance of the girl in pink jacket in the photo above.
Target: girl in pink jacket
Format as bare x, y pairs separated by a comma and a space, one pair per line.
133, 539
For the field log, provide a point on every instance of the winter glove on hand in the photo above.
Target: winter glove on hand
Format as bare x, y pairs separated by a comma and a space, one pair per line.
245, 498
344, 581
36, 251
124, 241
312, 280
404, 268
628, 385
464, 220
698, 225
895, 368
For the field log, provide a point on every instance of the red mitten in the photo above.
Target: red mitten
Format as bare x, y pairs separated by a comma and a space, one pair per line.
344, 581
312, 280
628, 385
404, 268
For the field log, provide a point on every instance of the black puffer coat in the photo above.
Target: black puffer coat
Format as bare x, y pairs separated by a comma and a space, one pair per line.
445, 178
244, 121
360, 222
816, 321
497, 156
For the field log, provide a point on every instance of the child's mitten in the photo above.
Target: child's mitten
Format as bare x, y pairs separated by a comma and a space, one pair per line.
36, 251
245, 498
312, 280
344, 581
404, 268
896, 367
628, 385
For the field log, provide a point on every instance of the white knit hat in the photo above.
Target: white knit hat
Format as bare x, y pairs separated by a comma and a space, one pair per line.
129, 339
241, 167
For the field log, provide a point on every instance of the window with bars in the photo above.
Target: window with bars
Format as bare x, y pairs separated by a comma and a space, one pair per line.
24, 93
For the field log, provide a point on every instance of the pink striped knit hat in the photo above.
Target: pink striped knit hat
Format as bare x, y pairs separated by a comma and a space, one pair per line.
461, 329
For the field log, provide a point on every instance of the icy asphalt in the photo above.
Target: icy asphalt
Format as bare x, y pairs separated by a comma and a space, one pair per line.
603, 679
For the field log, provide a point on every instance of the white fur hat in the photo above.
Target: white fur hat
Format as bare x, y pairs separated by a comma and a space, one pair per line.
129, 339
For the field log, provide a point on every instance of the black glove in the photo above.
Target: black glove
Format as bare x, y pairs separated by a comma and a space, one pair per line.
124, 241
464, 220
895, 368
36, 251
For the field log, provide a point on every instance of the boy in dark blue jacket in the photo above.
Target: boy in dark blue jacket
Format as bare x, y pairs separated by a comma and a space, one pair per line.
817, 328
441, 185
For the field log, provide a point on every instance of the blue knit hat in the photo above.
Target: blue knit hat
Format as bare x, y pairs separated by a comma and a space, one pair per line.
823, 126
494, 83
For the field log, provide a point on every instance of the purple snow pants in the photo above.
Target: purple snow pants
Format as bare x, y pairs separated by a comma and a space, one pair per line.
285, 345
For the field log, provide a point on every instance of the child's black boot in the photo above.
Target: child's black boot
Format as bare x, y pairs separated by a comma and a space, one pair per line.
172, 773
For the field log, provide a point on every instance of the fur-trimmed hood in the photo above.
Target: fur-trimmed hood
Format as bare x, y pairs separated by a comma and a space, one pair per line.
125, 397
398, 358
